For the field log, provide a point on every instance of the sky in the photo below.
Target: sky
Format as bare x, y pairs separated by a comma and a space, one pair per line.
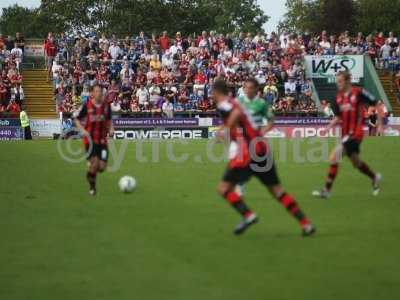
273, 8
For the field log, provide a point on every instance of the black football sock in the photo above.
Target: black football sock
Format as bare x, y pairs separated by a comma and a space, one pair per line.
364, 168
91, 178
333, 169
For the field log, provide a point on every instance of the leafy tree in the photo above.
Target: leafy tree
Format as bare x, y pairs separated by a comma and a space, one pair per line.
233, 15
128, 16
316, 15
302, 16
381, 15
75, 14
17, 19
338, 15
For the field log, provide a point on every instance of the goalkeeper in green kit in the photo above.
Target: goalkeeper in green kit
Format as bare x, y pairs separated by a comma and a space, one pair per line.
259, 110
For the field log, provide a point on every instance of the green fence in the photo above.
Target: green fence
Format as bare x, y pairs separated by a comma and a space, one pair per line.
373, 84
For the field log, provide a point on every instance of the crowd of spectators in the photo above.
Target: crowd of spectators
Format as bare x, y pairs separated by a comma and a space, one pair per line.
383, 50
170, 74
141, 74
11, 90
175, 74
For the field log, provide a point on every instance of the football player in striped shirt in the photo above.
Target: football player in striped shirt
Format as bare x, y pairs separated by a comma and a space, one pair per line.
349, 109
252, 158
93, 120
258, 108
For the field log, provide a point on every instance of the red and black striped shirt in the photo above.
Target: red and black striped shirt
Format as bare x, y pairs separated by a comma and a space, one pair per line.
350, 108
246, 133
97, 120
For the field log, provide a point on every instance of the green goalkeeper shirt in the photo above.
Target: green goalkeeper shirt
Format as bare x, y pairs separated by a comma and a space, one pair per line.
259, 110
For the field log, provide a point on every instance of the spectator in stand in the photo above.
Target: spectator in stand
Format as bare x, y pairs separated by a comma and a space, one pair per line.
385, 52
14, 75
113, 91
20, 41
9, 43
164, 42
382, 110
3, 94
56, 71
379, 40
200, 81
116, 106
67, 105
85, 94
104, 42
59, 98
306, 90
372, 117
290, 87
17, 53
50, 49
326, 109
393, 62
76, 100
14, 109
260, 77
168, 109
134, 104
143, 96
18, 93
114, 50
271, 93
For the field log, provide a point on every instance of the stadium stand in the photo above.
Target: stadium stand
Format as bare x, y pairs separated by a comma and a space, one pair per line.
39, 94
142, 73
12, 96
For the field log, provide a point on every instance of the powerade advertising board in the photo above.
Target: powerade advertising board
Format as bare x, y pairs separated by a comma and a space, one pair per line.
165, 133
155, 122
159, 128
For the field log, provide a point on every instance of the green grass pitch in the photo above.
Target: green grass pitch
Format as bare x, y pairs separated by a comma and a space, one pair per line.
171, 239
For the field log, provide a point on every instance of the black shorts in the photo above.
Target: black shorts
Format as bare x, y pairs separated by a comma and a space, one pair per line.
351, 146
97, 150
265, 171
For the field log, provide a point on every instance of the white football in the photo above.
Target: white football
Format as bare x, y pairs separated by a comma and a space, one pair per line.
127, 184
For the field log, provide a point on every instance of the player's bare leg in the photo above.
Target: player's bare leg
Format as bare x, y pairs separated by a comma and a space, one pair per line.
227, 191
365, 169
102, 166
93, 167
334, 159
293, 208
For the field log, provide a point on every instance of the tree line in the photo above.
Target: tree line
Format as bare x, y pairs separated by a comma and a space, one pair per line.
337, 16
131, 16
